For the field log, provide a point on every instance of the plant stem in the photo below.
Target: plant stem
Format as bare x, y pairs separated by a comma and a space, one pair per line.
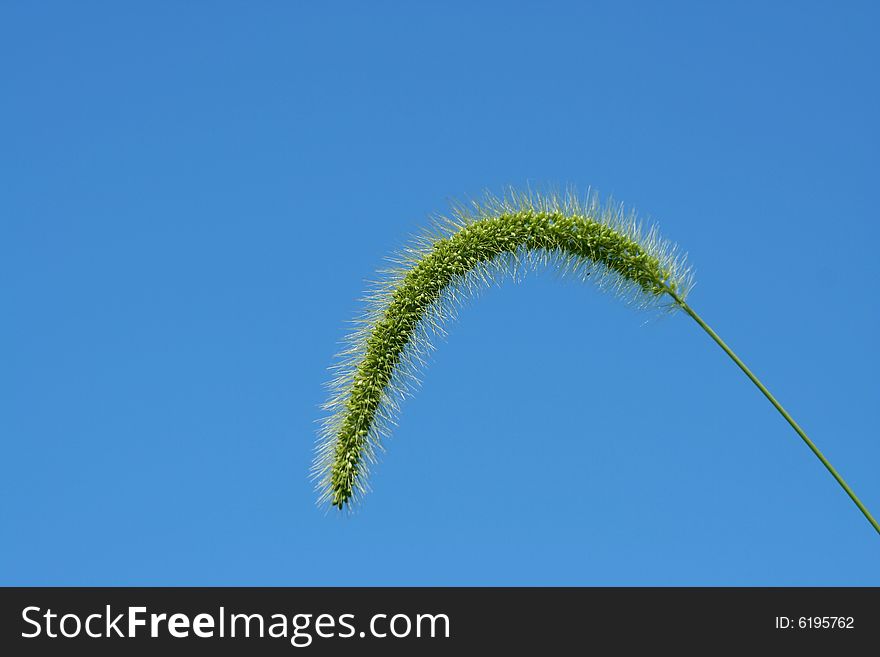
778, 406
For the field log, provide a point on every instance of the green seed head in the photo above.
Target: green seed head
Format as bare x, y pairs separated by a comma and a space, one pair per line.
477, 246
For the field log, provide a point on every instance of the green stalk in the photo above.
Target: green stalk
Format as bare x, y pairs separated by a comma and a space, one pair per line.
794, 425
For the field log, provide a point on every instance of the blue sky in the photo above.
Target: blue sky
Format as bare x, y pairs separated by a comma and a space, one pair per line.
192, 196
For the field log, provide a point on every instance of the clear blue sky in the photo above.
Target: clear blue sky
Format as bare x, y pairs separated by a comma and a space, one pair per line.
192, 196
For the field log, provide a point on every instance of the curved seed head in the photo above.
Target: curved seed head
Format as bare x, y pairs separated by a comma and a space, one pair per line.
477, 245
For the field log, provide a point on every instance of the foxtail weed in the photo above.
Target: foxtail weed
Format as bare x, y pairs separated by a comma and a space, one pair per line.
475, 246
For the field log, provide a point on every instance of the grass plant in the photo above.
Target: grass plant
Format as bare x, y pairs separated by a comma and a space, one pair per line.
478, 245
